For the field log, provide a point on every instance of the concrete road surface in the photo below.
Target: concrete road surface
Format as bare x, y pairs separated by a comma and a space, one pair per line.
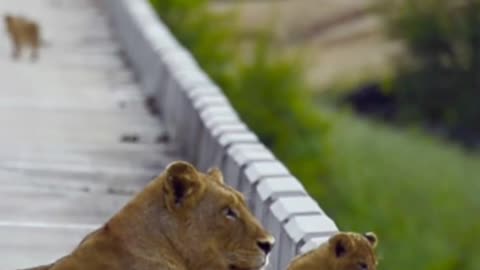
64, 169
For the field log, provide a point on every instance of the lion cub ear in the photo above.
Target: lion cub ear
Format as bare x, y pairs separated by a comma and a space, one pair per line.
216, 175
182, 182
340, 244
372, 238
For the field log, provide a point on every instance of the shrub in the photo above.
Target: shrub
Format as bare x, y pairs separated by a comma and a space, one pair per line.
438, 84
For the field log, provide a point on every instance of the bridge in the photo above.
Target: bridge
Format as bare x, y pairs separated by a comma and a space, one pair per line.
112, 100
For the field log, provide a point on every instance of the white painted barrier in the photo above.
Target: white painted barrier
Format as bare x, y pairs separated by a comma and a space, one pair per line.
210, 133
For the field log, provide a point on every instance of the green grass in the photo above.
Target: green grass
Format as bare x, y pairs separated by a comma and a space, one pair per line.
420, 195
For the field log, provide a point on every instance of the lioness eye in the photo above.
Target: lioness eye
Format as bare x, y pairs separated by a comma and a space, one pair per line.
362, 266
231, 214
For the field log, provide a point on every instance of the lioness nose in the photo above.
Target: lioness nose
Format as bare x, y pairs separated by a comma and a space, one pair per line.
266, 245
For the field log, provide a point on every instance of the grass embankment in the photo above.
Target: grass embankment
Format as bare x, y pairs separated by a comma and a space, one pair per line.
417, 193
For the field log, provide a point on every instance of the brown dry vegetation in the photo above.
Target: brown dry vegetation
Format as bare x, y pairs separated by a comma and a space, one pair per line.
343, 38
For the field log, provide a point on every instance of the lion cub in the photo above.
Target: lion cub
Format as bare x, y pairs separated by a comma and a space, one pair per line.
343, 251
23, 33
183, 220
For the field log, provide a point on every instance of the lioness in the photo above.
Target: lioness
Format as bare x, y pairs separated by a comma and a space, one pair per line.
183, 220
23, 33
343, 251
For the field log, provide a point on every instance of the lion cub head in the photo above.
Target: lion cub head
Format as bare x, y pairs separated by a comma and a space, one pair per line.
343, 251
207, 222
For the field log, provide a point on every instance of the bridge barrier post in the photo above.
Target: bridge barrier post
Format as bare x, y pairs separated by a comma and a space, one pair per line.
299, 229
240, 155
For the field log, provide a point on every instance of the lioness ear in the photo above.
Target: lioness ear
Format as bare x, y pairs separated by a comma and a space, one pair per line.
216, 175
340, 244
372, 238
182, 181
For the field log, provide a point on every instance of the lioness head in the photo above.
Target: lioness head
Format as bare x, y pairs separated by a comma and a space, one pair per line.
343, 251
184, 219
212, 220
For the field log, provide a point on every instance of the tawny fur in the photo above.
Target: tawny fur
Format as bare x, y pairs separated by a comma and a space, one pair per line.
23, 33
343, 251
183, 220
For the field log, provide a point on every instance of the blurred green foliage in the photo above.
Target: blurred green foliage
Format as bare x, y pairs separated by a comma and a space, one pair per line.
418, 194
439, 83
268, 90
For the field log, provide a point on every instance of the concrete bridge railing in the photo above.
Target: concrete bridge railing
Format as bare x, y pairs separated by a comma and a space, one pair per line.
209, 132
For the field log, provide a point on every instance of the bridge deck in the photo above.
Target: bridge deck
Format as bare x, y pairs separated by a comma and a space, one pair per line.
63, 166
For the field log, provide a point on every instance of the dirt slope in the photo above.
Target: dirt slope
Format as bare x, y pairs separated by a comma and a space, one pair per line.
344, 38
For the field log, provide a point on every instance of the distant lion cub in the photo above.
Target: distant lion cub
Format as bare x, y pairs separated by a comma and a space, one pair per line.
343, 251
23, 33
